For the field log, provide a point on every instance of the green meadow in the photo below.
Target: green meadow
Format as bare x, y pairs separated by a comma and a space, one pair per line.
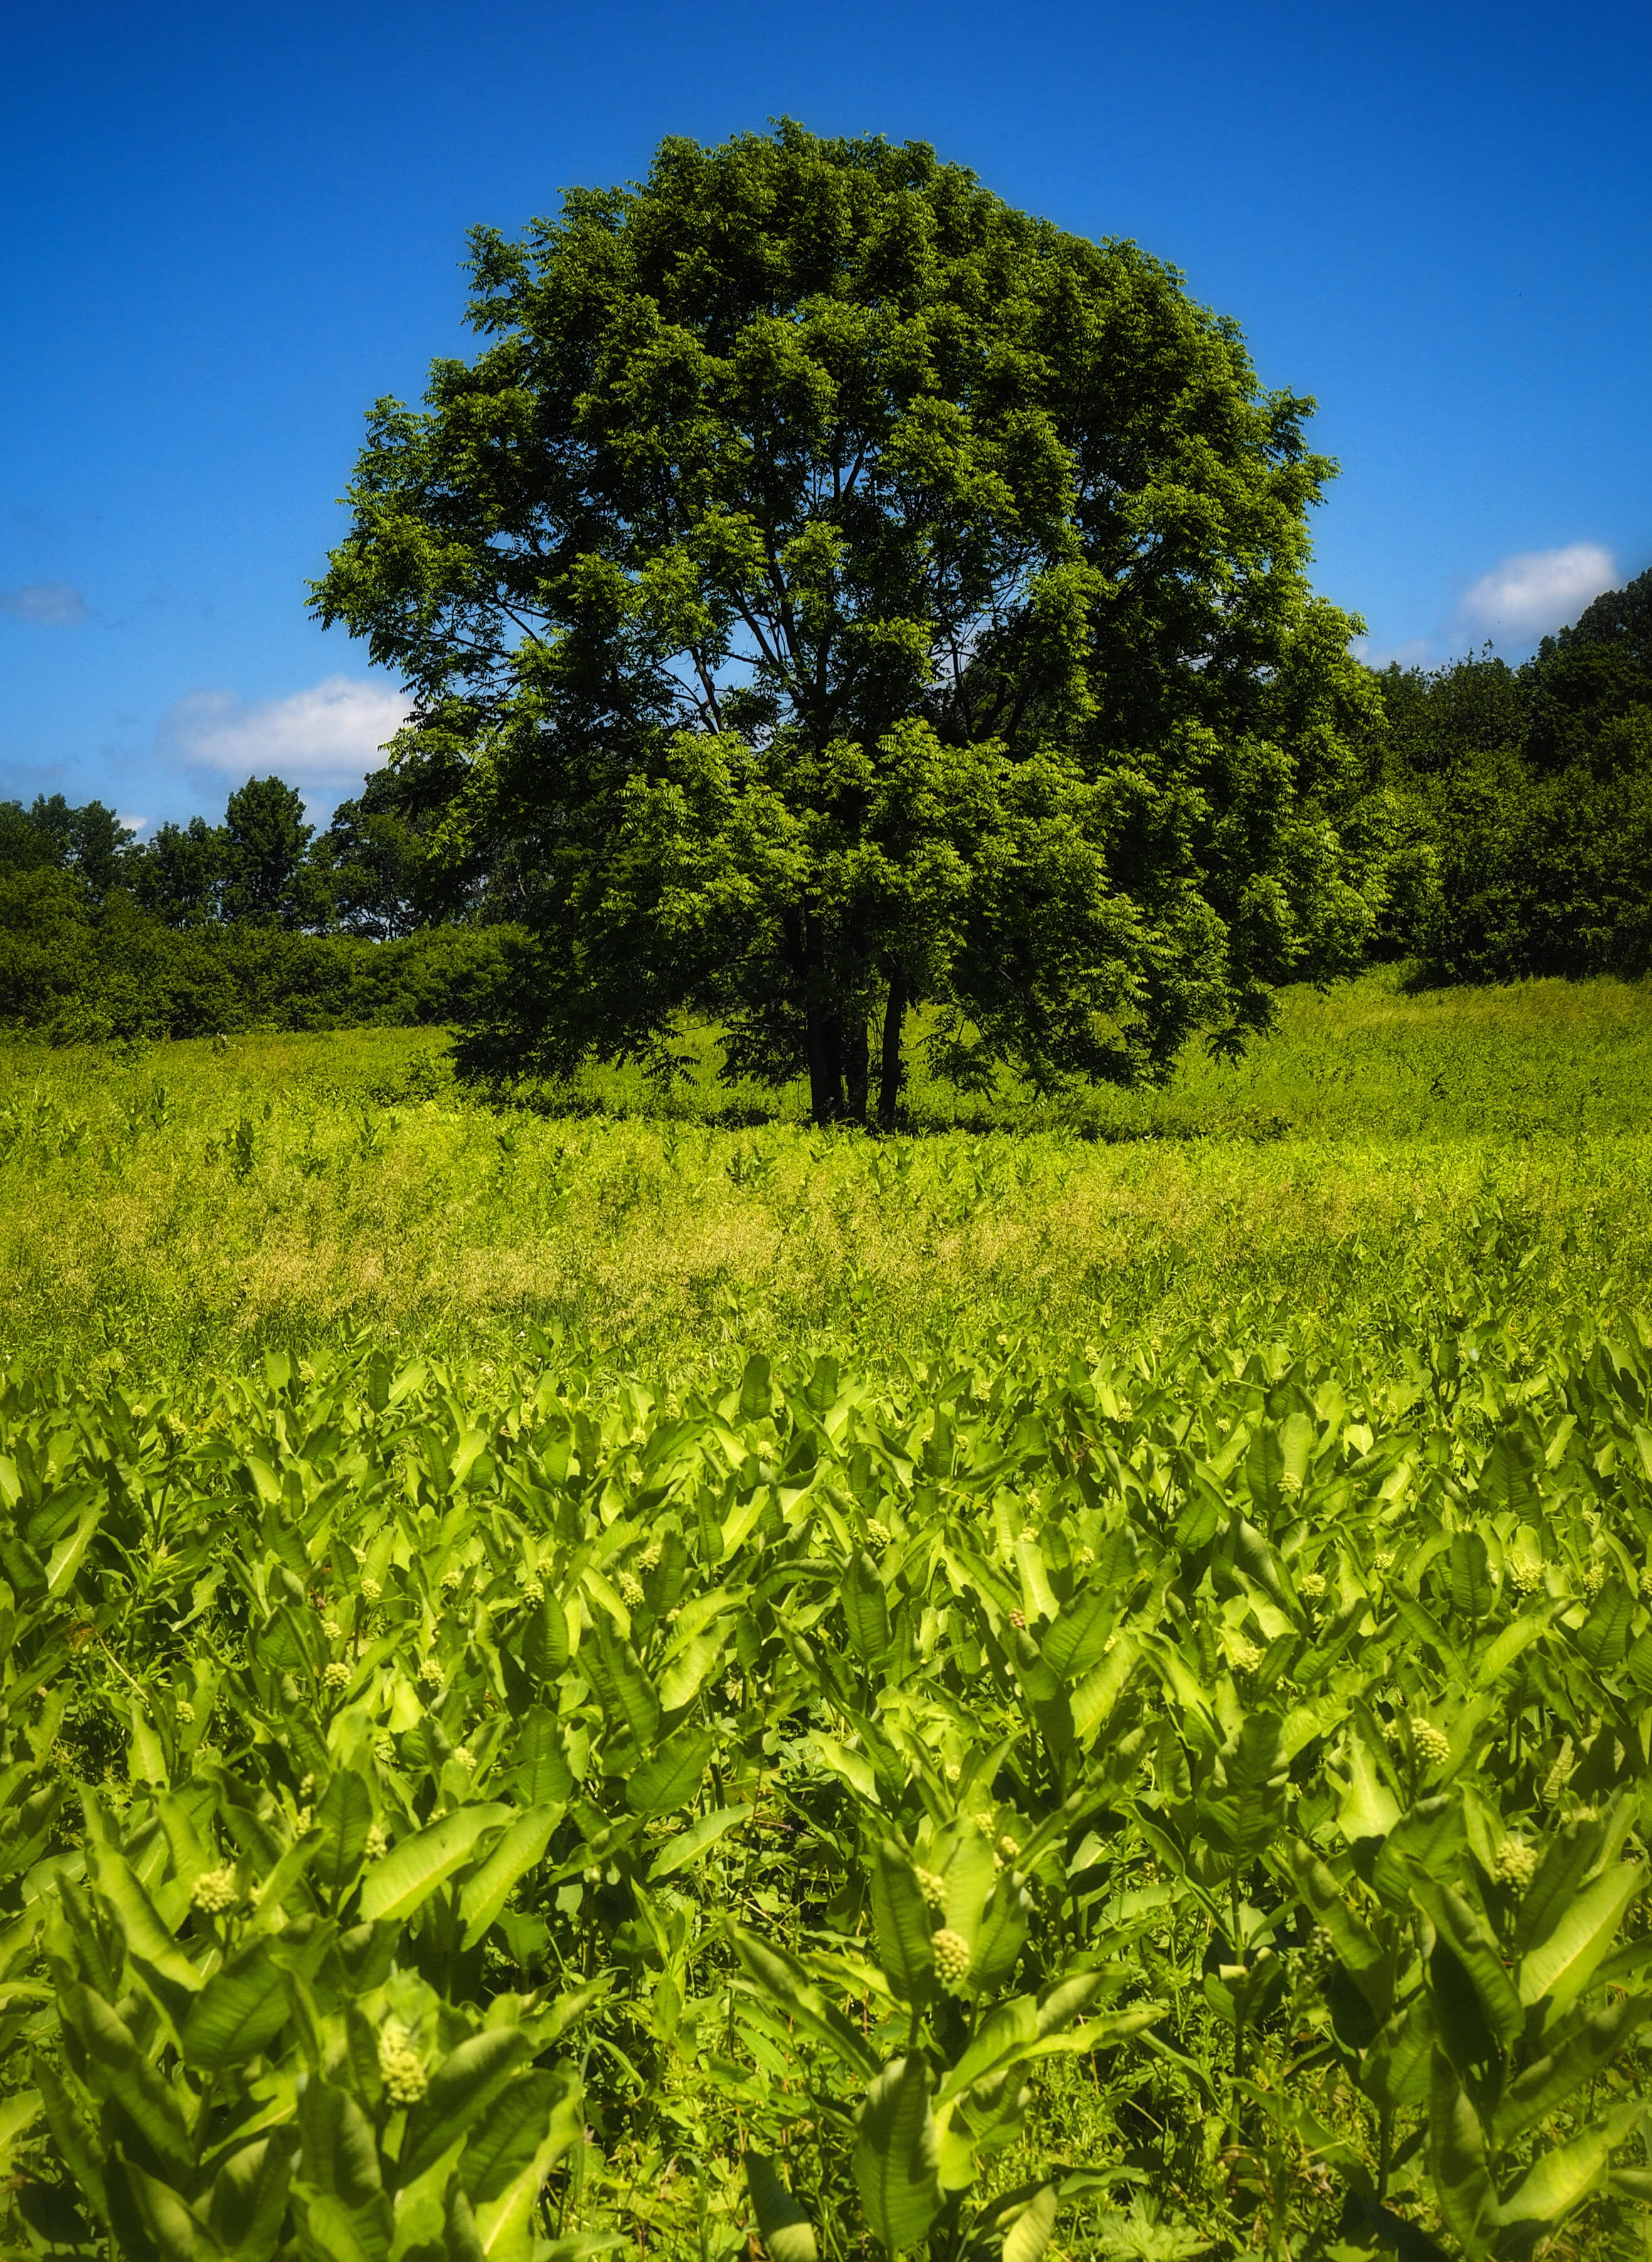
606, 1670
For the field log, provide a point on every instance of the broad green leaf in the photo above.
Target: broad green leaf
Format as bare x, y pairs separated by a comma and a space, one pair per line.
412, 1870
679, 1852
1456, 2158
237, 2014
897, 2155
1508, 1647
1543, 2087
1031, 2231
670, 1777
901, 1917
787, 2234
1563, 2177
461, 2089
343, 1819
780, 1975
1563, 1963
487, 1889
1368, 1809
865, 1609
626, 1692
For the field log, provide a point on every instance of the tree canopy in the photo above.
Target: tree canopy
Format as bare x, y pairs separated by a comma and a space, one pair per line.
829, 590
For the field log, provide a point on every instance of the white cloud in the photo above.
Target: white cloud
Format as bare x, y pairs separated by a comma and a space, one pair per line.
50, 604
1417, 653
1528, 595
323, 740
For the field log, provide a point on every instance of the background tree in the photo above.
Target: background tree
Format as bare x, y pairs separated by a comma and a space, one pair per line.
264, 842
835, 589
179, 873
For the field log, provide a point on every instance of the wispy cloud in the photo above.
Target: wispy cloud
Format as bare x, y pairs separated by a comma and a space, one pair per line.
1540, 590
50, 604
322, 740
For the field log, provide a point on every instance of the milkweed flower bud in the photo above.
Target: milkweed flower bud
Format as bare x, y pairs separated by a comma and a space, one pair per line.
371, 1590
1430, 1745
1311, 1586
332, 1630
465, 1757
951, 1957
533, 1593
400, 2065
215, 1892
878, 1533
987, 1823
630, 1590
336, 1675
430, 1673
932, 1887
185, 1713
375, 1845
1009, 1847
1515, 1864
452, 1578
649, 1560
1246, 1655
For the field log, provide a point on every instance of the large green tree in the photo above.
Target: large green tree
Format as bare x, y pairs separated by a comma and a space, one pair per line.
829, 590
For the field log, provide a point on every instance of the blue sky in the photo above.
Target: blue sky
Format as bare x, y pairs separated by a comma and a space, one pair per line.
232, 229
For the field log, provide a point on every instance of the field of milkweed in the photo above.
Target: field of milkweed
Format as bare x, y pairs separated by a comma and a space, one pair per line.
580, 1677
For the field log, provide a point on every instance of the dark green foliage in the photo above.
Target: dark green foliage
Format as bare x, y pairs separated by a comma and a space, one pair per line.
1526, 801
831, 590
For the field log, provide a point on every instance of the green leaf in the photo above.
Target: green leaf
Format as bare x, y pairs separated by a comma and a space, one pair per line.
237, 2014
624, 1688
774, 1972
343, 1819
787, 2234
1543, 2087
149, 1941
671, 1776
249, 2198
540, 1773
412, 1870
1456, 2159
1076, 1642
1563, 1963
1032, 2229
487, 1890
1564, 2178
1604, 1636
897, 2155
1368, 1809
688, 1845
1509, 1647
64, 1559
865, 1610
902, 1918
339, 2156
544, 1639
461, 2089
1506, 1477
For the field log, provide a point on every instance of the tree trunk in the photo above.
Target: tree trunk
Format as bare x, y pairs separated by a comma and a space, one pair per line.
857, 1067
824, 1041
893, 1069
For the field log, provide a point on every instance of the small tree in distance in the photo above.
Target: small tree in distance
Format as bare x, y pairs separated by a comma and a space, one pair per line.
831, 590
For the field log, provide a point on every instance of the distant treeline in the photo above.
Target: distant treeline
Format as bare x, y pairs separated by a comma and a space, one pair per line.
256, 923
1519, 800
1525, 798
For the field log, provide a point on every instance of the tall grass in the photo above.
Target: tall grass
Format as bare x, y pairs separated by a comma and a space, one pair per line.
1421, 1155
